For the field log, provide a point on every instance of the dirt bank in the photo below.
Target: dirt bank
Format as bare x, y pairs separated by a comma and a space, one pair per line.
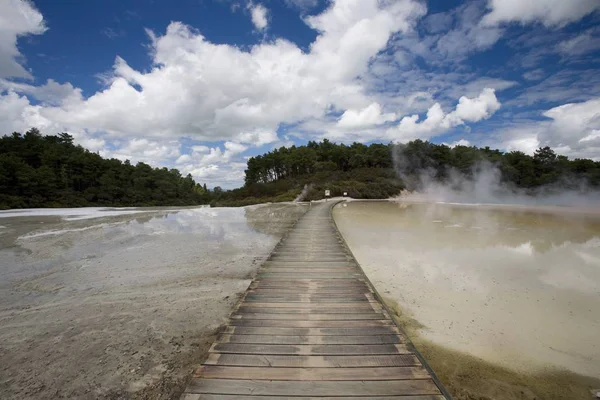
123, 306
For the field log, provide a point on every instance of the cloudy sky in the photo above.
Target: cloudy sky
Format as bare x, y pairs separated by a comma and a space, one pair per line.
202, 85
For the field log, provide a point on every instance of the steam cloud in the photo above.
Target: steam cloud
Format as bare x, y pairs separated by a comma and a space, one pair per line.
302, 195
484, 185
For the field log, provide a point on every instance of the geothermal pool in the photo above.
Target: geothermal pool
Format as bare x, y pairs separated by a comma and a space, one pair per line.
513, 286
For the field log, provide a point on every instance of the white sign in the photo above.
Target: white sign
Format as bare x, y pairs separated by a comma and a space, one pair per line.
327, 193
345, 194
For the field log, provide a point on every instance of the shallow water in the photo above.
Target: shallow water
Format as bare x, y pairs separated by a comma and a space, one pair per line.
515, 287
105, 303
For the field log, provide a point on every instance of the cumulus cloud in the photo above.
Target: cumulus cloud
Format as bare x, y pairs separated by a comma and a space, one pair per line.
259, 14
461, 142
437, 121
18, 18
369, 116
571, 129
216, 92
551, 13
51, 93
575, 128
144, 150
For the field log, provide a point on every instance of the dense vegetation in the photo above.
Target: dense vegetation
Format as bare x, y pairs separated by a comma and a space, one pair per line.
362, 171
48, 171
380, 171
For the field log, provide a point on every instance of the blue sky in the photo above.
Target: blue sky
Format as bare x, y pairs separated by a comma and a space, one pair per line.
202, 85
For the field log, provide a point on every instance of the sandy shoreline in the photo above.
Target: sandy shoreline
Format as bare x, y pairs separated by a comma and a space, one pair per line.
507, 289
123, 306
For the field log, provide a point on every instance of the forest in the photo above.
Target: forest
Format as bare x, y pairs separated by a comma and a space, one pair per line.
51, 171
383, 170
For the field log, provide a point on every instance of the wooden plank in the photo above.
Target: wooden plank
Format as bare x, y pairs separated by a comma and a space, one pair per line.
198, 396
311, 374
314, 388
300, 339
311, 270
309, 324
323, 305
340, 291
337, 300
247, 308
351, 331
300, 361
314, 282
307, 350
294, 275
313, 306
307, 297
310, 316
288, 292
349, 263
279, 284
306, 258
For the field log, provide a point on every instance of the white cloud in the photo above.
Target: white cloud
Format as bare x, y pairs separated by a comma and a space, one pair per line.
551, 13
583, 43
18, 18
369, 116
259, 14
144, 150
575, 126
474, 110
212, 92
92, 144
51, 93
200, 149
303, 5
409, 127
565, 86
571, 129
534, 75
528, 143
257, 137
184, 158
436, 121
215, 166
461, 142
452, 36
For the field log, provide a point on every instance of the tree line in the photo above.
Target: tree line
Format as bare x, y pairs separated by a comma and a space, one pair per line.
50, 171
383, 170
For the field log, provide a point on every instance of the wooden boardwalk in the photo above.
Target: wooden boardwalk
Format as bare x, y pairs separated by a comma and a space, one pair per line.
311, 326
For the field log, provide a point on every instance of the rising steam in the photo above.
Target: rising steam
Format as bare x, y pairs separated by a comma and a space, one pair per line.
483, 185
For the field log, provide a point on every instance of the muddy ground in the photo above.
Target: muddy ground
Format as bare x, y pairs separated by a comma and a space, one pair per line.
122, 306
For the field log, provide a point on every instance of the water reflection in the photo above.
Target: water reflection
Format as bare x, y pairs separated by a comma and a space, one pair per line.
204, 223
34, 244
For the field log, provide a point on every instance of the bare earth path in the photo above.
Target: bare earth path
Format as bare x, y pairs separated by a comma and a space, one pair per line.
311, 326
